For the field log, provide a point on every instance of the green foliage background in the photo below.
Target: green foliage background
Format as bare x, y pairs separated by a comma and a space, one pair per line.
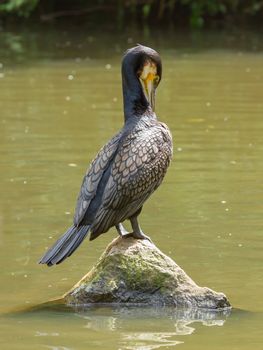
193, 13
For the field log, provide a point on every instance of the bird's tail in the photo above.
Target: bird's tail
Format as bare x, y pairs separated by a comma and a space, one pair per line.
65, 245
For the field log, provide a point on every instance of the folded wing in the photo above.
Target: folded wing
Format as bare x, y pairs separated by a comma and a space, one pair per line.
137, 170
92, 179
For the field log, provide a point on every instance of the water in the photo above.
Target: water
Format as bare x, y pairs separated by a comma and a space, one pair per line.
60, 102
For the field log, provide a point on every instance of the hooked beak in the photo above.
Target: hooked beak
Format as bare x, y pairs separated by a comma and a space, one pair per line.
149, 90
149, 80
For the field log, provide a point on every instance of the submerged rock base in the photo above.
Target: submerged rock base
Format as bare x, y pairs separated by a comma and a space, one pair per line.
137, 272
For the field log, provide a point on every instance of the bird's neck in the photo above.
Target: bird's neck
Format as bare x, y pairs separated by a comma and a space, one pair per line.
134, 102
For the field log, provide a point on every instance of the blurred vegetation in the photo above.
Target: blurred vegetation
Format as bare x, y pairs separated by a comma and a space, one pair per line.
193, 13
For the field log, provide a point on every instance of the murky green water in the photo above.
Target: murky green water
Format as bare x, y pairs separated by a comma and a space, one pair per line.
60, 100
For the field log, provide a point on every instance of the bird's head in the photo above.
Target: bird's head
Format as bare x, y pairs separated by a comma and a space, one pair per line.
143, 64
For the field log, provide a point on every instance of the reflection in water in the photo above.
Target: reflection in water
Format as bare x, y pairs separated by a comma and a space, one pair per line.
102, 322
57, 347
173, 322
46, 334
148, 341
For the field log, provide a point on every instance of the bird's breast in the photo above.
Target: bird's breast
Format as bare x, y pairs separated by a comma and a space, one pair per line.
142, 159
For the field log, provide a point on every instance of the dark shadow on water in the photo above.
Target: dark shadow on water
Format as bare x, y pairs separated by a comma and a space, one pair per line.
28, 47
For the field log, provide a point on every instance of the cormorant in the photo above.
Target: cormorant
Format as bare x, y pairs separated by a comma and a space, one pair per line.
129, 168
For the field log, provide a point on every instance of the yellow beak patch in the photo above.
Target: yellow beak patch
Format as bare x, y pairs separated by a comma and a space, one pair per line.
149, 71
147, 77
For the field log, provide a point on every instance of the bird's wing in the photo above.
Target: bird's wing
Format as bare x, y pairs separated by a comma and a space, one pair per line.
137, 170
93, 176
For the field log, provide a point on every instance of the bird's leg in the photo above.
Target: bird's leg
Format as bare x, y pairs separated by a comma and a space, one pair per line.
137, 231
121, 230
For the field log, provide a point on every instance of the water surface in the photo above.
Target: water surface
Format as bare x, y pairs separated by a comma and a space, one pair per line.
60, 101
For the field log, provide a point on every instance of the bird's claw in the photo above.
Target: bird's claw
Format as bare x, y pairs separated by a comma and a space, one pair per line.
137, 236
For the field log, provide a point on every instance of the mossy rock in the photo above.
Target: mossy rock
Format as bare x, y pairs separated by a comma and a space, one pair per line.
137, 272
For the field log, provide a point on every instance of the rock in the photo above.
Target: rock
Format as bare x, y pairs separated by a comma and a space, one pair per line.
137, 272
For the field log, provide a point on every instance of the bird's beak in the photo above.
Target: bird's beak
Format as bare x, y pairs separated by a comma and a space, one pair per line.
148, 81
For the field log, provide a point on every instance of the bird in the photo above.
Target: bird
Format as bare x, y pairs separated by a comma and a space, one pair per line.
129, 168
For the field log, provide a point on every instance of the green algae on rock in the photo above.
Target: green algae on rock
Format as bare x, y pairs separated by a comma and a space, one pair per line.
137, 272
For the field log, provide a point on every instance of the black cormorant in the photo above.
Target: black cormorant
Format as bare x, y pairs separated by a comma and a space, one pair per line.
129, 168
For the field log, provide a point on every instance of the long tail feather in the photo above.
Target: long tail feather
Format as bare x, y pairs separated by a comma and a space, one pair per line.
65, 245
